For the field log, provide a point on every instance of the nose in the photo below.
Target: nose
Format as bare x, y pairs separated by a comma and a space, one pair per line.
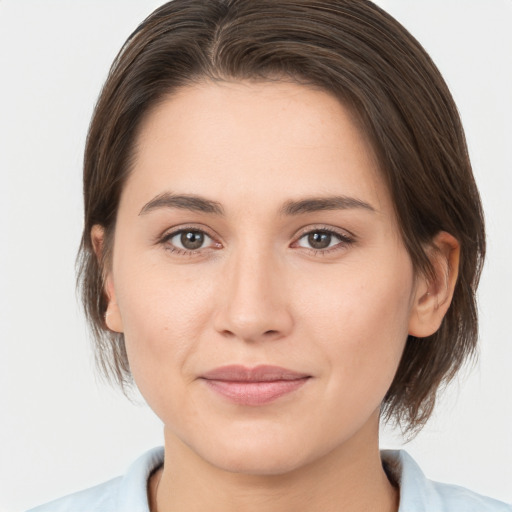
253, 303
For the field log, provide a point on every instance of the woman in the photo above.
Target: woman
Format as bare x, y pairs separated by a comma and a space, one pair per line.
282, 243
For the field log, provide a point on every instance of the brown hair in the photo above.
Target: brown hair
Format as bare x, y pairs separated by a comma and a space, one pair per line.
360, 54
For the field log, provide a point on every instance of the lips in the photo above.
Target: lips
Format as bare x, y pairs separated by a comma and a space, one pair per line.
253, 386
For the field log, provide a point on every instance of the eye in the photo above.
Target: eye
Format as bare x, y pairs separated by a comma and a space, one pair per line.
322, 240
187, 240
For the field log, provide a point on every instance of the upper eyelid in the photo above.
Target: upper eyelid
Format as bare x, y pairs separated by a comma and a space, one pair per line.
170, 232
344, 233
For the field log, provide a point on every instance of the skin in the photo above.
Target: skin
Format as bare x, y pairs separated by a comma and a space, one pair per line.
257, 292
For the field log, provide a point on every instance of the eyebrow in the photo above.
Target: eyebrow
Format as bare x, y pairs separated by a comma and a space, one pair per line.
316, 204
183, 202
200, 204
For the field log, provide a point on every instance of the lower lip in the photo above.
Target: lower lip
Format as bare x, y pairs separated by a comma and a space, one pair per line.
255, 393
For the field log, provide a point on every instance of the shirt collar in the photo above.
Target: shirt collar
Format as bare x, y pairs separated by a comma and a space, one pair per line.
133, 491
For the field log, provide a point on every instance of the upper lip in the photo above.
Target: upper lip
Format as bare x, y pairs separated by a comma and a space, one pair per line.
261, 373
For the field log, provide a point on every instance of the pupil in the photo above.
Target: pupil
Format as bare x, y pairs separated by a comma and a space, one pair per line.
319, 240
192, 239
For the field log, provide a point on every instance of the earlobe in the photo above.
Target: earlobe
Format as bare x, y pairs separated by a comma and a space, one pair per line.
112, 315
433, 294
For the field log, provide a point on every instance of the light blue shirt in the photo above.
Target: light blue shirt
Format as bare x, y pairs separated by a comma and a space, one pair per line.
417, 493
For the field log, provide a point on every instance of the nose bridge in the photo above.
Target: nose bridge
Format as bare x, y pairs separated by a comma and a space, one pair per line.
254, 305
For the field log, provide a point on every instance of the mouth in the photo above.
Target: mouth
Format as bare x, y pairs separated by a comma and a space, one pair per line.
253, 386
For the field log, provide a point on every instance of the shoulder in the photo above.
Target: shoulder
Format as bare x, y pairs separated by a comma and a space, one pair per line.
128, 492
101, 498
453, 496
419, 494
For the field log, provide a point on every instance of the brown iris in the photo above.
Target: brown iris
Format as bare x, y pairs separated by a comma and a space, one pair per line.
319, 239
192, 240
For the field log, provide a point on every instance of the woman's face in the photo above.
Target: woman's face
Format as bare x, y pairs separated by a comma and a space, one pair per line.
255, 230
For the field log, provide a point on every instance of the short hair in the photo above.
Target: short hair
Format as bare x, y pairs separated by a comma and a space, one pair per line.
353, 50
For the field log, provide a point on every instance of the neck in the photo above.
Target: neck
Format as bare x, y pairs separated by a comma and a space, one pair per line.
349, 478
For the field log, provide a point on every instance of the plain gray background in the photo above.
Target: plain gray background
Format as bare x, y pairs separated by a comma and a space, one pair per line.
61, 429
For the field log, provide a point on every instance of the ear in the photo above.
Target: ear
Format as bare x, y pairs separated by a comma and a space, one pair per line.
433, 294
112, 315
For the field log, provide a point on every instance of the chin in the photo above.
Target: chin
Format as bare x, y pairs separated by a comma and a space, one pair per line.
262, 455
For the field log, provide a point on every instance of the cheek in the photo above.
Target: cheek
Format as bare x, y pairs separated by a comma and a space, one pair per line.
360, 319
163, 314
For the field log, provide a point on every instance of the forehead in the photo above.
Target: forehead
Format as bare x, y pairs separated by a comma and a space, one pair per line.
253, 142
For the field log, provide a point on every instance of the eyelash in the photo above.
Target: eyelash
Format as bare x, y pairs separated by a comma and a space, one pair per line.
165, 240
344, 241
